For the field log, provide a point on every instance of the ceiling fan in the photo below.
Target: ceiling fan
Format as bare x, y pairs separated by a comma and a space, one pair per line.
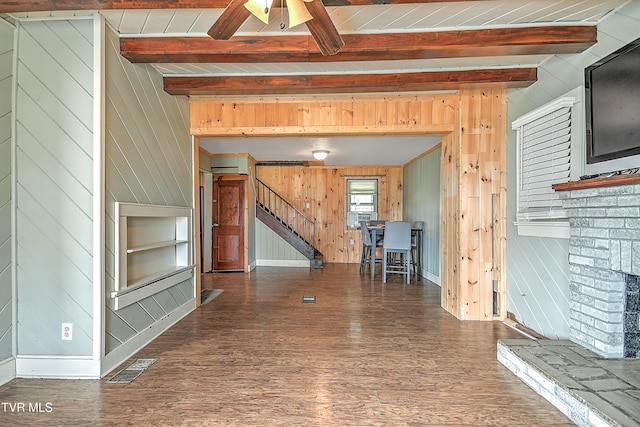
310, 12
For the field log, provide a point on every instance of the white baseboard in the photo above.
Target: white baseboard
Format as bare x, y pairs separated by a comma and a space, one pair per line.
432, 277
67, 367
79, 367
129, 348
283, 263
7, 370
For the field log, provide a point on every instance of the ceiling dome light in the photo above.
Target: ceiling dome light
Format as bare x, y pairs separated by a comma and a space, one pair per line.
320, 154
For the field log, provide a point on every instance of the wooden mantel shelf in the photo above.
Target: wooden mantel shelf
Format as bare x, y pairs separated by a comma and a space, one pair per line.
611, 181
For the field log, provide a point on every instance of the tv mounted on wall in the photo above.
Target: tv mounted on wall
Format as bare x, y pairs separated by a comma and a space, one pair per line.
612, 95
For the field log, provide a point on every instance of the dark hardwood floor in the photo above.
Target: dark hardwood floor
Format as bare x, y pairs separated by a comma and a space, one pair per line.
365, 354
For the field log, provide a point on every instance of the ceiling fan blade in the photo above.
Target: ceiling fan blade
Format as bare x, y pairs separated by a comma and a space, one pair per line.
231, 19
322, 29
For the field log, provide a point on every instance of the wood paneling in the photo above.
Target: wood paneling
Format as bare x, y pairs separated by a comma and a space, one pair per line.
6, 79
149, 159
340, 115
324, 188
450, 182
473, 172
54, 196
473, 125
421, 202
271, 248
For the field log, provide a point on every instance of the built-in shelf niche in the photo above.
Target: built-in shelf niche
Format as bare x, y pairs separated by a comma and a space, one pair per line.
153, 250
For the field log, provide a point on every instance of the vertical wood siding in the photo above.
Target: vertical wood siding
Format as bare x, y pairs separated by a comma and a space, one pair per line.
538, 268
324, 188
421, 184
473, 177
54, 137
409, 114
482, 178
148, 160
449, 179
6, 83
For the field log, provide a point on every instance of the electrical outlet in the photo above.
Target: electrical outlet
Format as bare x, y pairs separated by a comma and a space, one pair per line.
67, 331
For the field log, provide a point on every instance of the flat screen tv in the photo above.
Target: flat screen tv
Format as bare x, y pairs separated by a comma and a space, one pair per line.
612, 106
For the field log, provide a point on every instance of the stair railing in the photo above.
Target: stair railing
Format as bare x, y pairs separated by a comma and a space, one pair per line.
285, 212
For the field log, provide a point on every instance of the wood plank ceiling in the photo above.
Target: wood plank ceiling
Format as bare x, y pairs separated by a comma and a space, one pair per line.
390, 46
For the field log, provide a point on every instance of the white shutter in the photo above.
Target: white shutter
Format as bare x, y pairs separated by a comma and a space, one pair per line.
544, 159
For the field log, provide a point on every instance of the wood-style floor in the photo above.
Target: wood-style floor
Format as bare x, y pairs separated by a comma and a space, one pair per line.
365, 354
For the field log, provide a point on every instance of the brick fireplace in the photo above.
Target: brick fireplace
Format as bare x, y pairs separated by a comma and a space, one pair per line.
604, 258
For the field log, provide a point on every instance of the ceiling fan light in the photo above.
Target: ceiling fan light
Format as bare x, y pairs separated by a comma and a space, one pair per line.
320, 154
298, 13
260, 9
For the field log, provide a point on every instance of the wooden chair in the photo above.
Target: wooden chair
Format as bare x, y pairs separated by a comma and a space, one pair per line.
397, 242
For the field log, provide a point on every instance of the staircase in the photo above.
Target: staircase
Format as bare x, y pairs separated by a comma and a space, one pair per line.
287, 222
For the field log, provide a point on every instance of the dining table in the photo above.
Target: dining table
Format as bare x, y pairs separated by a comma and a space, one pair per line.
377, 234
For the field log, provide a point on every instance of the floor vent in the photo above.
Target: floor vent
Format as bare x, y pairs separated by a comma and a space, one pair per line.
131, 372
309, 299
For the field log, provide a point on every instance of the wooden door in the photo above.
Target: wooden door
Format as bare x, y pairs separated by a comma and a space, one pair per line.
228, 222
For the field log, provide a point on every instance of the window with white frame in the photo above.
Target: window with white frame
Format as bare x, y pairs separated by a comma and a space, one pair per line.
547, 145
362, 201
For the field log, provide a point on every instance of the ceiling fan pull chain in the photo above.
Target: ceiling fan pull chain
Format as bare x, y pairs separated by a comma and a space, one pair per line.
282, 26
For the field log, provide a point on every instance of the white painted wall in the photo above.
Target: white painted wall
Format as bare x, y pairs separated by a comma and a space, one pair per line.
54, 218
538, 268
421, 202
273, 250
6, 300
149, 160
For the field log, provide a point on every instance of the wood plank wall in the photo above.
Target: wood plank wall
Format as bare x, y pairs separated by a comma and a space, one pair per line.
149, 158
6, 177
408, 114
54, 216
324, 189
474, 191
472, 123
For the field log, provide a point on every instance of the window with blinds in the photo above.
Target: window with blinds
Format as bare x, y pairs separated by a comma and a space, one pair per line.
544, 158
362, 196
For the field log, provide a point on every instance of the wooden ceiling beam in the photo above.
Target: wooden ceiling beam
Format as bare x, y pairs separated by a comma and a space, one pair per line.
12, 6
348, 83
362, 47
